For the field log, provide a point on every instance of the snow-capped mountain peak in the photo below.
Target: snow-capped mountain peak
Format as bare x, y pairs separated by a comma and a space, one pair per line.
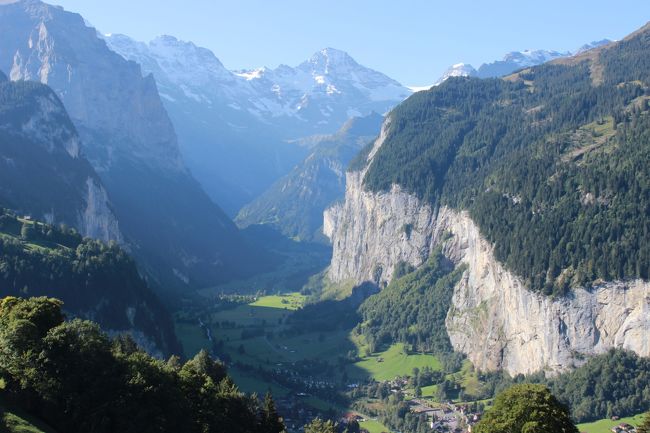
315, 97
527, 58
511, 62
329, 59
457, 70
185, 62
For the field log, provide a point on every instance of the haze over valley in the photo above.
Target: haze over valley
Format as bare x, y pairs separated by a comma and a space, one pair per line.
318, 247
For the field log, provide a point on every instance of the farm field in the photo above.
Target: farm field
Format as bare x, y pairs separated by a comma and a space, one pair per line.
373, 426
265, 313
17, 424
254, 334
605, 425
258, 342
395, 361
290, 301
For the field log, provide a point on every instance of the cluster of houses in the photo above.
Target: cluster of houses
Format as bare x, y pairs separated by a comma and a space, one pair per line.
623, 428
398, 384
446, 417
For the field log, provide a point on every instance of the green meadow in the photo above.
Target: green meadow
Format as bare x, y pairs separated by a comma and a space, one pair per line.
605, 425
393, 362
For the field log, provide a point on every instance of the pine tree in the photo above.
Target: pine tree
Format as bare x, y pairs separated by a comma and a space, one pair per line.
270, 420
320, 426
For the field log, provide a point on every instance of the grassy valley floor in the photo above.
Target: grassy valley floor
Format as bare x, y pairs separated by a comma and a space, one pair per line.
264, 353
606, 425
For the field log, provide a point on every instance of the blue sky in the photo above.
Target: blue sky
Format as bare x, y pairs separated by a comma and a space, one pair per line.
413, 41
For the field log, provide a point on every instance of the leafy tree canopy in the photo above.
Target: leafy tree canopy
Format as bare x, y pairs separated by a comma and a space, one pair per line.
526, 409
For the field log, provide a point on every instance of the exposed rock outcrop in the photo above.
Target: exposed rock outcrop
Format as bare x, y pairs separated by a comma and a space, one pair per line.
493, 319
97, 219
43, 172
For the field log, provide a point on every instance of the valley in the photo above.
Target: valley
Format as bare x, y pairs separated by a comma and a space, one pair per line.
191, 246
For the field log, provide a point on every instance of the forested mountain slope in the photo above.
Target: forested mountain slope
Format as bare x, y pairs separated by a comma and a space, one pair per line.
539, 184
551, 163
94, 280
295, 203
74, 377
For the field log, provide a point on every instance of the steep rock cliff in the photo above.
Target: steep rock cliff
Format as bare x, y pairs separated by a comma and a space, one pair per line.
43, 173
170, 224
493, 319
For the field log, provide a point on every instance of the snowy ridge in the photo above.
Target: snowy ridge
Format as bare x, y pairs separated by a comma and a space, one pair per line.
322, 90
528, 58
457, 70
511, 62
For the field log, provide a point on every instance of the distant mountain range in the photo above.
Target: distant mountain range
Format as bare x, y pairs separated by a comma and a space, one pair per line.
512, 62
294, 204
315, 97
233, 126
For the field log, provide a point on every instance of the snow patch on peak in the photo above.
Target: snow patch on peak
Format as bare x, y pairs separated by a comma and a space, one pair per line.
332, 56
253, 74
416, 89
529, 58
457, 70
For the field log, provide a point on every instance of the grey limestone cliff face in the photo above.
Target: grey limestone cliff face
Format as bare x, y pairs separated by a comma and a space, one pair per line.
493, 319
96, 219
373, 232
40, 144
104, 95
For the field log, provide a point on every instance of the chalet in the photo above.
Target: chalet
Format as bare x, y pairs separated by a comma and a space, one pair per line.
351, 416
623, 428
